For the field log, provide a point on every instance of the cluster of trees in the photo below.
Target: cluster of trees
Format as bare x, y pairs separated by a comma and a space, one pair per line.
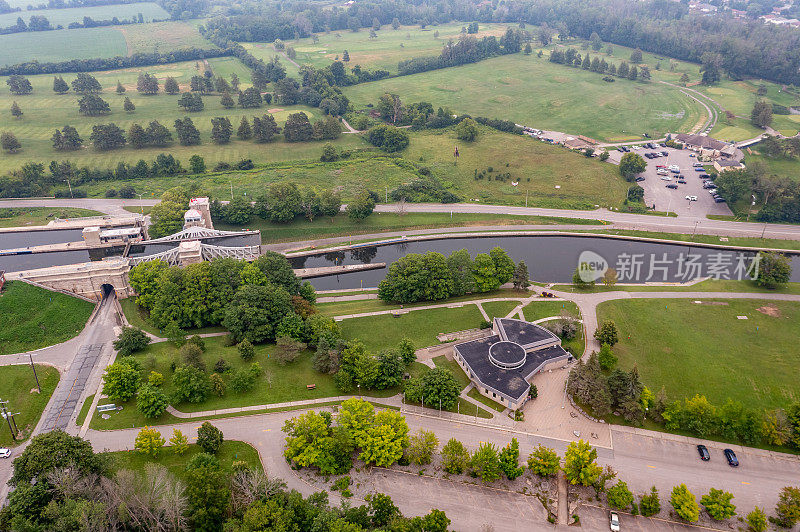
388, 138
61, 484
778, 198
423, 189
571, 57
432, 276
468, 49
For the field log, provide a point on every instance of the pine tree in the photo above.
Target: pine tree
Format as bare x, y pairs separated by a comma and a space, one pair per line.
16, 112
120, 88
234, 82
59, 85
221, 130
227, 102
158, 134
244, 132
188, 135
221, 85
345, 56
171, 86
520, 278
128, 105
58, 141
265, 128
137, 137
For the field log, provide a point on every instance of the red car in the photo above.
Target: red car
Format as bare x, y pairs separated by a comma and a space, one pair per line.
660, 166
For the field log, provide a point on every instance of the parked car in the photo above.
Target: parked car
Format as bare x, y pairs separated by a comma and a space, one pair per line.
699, 169
697, 164
691, 198
672, 185
639, 179
614, 522
660, 166
719, 199
666, 178
675, 167
705, 176
709, 185
730, 456
682, 181
701, 449
664, 153
5, 452
691, 155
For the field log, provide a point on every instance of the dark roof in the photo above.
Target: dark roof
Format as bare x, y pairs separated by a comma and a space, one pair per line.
728, 162
510, 382
524, 333
701, 141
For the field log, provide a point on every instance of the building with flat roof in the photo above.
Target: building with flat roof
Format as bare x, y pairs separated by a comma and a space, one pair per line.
502, 365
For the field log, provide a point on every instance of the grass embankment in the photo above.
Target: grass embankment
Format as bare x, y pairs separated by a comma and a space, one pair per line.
19, 216
19, 389
706, 349
229, 452
32, 317
342, 225
87, 403
709, 285
734, 241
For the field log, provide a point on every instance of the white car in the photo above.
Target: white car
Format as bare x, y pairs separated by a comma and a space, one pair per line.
614, 522
666, 178
691, 198
4, 452
675, 167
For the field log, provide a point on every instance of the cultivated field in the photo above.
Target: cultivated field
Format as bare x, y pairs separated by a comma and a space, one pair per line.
706, 349
535, 92
44, 111
162, 37
384, 51
64, 17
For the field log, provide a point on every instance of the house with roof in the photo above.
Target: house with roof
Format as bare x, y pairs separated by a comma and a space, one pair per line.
723, 165
502, 365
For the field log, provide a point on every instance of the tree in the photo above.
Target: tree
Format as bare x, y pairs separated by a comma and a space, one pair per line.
390, 369
244, 132
191, 384
610, 276
774, 270
255, 311
287, 349
265, 128
606, 357
158, 134
54, 450
710, 68
356, 416
209, 438
467, 130
345, 56
59, 85
16, 112
149, 442
607, 333
147, 84
619, 496
757, 520
385, 439
227, 101
207, 492
528, 49
543, 461
761, 115
221, 130
151, 402
422, 446
128, 106
137, 137
578, 279
121, 380
191, 102
650, 504
787, 510
388, 138
19, 85
9, 142
330, 203
520, 278
188, 135
485, 462
86, 84
580, 466
120, 88
596, 42
631, 165
179, 442
636, 56
361, 206
718, 504
509, 460
250, 98
171, 86
93, 105
297, 128
455, 457
683, 501
246, 350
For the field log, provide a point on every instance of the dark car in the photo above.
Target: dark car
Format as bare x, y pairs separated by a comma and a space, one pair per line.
705, 176
730, 456
682, 181
719, 200
699, 169
672, 185
703, 452
639, 179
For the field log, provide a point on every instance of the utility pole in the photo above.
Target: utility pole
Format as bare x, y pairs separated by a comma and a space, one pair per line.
526, 198
231, 189
8, 419
39, 386
695, 228
141, 203
70, 188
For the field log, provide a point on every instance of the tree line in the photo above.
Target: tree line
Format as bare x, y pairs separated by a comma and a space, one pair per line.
468, 49
62, 484
572, 57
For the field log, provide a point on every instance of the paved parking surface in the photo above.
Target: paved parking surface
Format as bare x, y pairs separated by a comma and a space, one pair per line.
598, 519
656, 191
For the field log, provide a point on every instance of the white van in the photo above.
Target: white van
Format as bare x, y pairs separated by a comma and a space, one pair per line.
675, 167
662, 171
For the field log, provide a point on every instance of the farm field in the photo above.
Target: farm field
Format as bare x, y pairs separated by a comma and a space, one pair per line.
44, 111
720, 356
64, 17
88, 43
382, 52
532, 91
583, 182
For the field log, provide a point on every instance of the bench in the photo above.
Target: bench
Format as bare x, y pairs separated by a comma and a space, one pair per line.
311, 386
106, 408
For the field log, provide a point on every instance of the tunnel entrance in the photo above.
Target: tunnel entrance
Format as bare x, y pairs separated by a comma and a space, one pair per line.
107, 290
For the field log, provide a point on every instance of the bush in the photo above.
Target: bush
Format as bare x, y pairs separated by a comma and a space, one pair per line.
684, 503
423, 445
455, 457
246, 350
619, 496
606, 358
650, 504
131, 340
209, 438
150, 401
543, 461
388, 138
149, 442
485, 463
155, 379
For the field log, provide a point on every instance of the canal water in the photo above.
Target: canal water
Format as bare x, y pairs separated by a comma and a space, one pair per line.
551, 258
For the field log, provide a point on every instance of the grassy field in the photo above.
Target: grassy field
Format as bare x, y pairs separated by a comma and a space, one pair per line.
735, 241
499, 309
229, 452
537, 310
378, 222
164, 37
705, 349
39, 215
709, 285
780, 166
383, 52
32, 318
535, 92
421, 326
19, 389
87, 403
63, 17
60, 45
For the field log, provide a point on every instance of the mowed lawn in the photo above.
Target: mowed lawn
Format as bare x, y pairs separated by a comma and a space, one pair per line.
532, 91
32, 317
382, 52
19, 389
420, 326
59, 45
692, 348
39, 215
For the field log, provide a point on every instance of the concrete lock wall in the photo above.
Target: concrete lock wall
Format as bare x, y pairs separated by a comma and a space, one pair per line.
85, 280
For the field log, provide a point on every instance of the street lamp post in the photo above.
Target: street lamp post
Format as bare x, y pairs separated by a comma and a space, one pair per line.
30, 357
141, 203
70, 188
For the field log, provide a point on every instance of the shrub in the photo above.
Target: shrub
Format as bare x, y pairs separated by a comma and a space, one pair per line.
619, 496
246, 350
684, 503
131, 340
179, 442
650, 504
149, 442
455, 457
606, 358
423, 445
543, 461
509, 460
209, 438
155, 379
757, 520
485, 463
151, 401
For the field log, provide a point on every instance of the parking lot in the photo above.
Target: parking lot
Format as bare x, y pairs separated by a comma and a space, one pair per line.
656, 191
